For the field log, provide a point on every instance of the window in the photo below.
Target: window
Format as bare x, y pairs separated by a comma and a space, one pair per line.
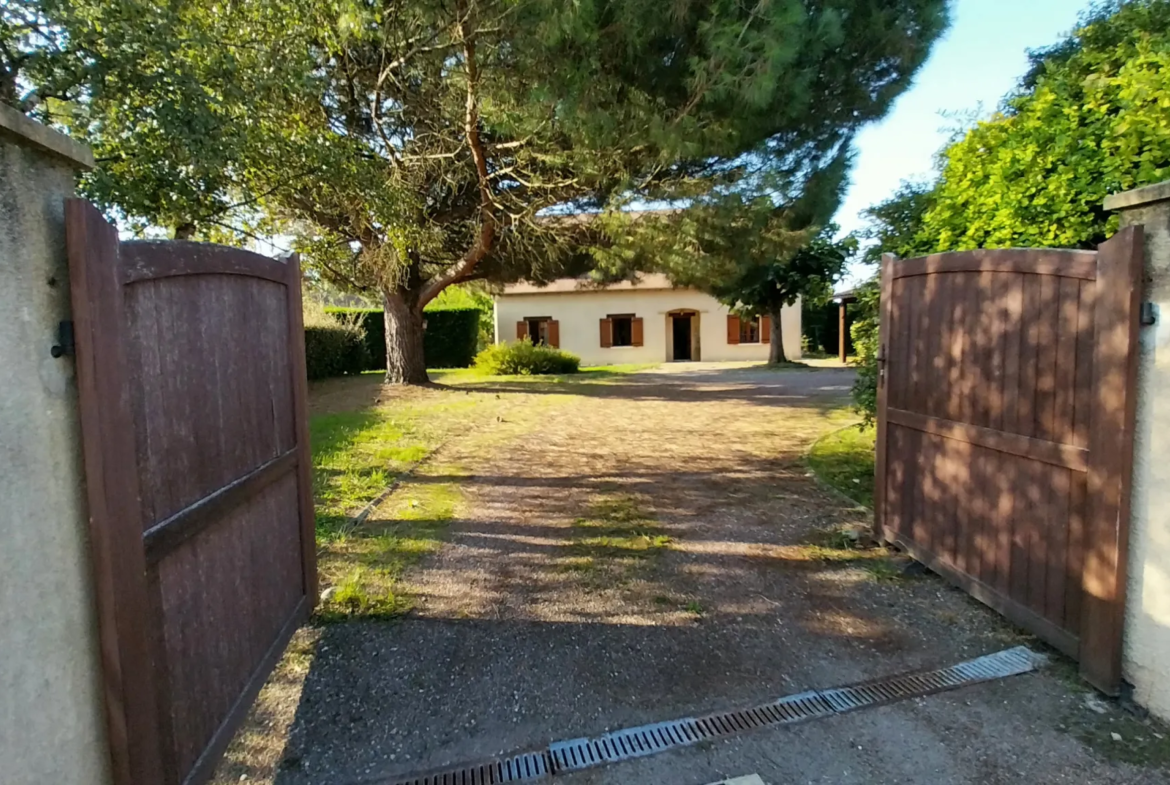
538, 331
749, 330
541, 330
623, 329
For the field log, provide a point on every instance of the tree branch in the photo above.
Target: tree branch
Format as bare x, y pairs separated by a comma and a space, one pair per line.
487, 227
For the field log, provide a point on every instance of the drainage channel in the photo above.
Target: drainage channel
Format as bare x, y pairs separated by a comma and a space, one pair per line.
585, 753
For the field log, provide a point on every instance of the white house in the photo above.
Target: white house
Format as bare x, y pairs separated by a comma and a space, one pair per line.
649, 321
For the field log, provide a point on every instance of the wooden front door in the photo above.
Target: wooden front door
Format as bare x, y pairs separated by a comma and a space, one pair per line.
1005, 432
191, 375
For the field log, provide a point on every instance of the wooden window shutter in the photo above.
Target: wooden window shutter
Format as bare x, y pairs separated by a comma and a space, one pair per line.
636, 331
732, 328
765, 329
606, 333
554, 334
521, 330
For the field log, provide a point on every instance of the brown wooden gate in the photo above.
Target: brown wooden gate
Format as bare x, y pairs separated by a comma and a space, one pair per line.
191, 372
1005, 432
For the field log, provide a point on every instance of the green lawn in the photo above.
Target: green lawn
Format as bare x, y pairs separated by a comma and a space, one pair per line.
845, 460
356, 456
592, 373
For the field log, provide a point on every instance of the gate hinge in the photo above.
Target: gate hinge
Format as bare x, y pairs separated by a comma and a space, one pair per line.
64, 345
1148, 314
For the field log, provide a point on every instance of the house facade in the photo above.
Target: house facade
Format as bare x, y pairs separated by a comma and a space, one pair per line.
650, 321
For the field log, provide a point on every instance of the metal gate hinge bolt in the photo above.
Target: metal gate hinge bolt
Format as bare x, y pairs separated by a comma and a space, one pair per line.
1148, 314
64, 345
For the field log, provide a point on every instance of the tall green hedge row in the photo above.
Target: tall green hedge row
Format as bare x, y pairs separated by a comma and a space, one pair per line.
373, 328
334, 350
451, 339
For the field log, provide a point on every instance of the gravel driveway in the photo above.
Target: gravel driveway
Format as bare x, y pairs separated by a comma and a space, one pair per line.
640, 552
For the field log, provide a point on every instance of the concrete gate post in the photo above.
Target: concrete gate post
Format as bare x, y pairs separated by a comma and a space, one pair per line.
1147, 623
52, 720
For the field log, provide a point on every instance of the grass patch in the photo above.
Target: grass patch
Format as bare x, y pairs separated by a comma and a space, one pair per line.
364, 567
844, 459
591, 374
614, 540
357, 455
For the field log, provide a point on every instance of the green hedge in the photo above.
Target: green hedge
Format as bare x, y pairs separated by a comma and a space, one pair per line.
334, 351
451, 339
373, 327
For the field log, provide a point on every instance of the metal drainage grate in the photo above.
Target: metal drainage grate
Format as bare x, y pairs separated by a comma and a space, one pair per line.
519, 768
576, 754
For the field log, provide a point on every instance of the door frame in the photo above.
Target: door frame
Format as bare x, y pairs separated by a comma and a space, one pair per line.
696, 332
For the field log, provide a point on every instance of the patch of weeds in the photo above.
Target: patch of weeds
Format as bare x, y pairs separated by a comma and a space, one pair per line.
1118, 736
663, 600
363, 568
844, 460
617, 528
838, 545
614, 539
694, 608
885, 571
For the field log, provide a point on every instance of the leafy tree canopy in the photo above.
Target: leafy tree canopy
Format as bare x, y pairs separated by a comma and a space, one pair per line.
1091, 118
412, 144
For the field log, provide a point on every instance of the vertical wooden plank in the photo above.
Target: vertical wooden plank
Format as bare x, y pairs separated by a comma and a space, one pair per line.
997, 344
1111, 434
1013, 333
955, 348
1040, 524
1083, 381
916, 345
1074, 561
1024, 511
1046, 358
1007, 487
115, 517
300, 402
1066, 360
881, 459
1057, 536
934, 393
1030, 340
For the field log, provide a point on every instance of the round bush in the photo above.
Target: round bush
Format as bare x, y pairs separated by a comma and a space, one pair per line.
522, 358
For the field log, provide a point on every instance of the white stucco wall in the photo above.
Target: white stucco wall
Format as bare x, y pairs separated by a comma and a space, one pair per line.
1147, 622
52, 724
579, 313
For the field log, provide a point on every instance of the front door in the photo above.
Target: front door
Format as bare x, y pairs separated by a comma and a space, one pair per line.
682, 337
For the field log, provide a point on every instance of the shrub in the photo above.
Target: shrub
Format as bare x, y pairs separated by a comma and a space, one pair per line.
523, 359
373, 326
865, 343
452, 337
333, 346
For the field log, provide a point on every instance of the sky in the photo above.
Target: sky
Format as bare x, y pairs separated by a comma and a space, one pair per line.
976, 63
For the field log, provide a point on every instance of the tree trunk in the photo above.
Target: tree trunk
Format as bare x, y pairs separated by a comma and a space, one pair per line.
405, 361
776, 351
185, 231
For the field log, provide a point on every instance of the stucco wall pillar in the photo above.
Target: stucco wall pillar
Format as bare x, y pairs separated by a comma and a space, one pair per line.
52, 722
1147, 623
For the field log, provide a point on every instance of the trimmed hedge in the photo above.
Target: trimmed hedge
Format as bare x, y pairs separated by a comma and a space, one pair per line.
373, 326
450, 341
334, 351
521, 358
452, 337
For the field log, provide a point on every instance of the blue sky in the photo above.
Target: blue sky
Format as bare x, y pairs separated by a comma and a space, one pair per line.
977, 62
